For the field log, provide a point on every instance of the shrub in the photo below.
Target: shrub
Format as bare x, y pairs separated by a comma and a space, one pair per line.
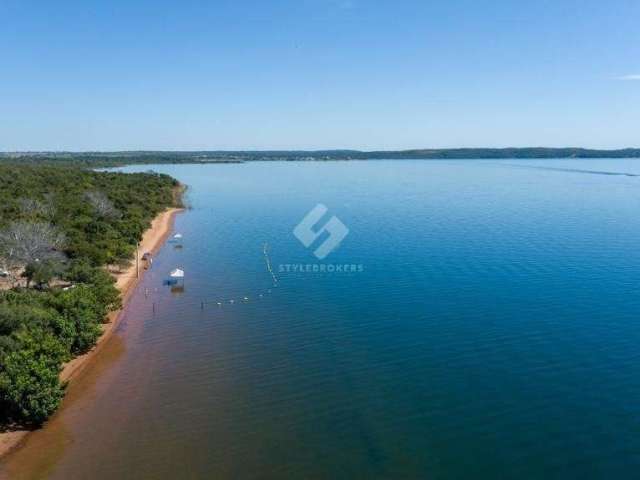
30, 389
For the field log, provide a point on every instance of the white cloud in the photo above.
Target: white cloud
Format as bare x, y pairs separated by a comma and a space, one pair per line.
629, 77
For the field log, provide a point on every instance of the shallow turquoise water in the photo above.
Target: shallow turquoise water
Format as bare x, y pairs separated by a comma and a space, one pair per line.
493, 331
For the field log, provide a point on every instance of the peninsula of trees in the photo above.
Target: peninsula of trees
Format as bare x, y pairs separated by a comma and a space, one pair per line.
59, 230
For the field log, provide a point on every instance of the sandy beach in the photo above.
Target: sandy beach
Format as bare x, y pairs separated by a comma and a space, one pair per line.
126, 280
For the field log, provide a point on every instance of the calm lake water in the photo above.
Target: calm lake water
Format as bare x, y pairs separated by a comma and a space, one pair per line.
492, 331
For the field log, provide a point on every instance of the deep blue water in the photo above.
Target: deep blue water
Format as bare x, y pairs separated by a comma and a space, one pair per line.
492, 332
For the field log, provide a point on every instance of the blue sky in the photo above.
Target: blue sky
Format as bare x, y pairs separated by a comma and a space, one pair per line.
313, 74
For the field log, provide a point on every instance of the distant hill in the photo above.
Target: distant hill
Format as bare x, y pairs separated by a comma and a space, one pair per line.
107, 159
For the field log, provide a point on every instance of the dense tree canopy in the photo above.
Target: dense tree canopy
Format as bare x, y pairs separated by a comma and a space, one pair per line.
62, 224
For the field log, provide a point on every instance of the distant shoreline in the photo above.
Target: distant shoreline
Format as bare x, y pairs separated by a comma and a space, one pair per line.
122, 158
153, 238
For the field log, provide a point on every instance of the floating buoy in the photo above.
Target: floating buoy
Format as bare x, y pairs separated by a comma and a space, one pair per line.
269, 268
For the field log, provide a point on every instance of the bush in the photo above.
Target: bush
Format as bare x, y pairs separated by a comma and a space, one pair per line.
81, 308
30, 389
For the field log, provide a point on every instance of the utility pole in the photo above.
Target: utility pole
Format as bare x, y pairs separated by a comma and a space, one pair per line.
137, 261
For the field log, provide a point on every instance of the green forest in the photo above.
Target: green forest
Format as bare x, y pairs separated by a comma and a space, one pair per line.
60, 227
111, 159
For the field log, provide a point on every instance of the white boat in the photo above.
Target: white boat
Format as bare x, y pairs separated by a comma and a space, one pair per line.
177, 273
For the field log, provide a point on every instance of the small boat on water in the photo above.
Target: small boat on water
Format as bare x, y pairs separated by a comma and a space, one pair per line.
176, 276
176, 240
177, 273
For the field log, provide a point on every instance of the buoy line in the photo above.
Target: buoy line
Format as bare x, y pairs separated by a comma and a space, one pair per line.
266, 258
232, 301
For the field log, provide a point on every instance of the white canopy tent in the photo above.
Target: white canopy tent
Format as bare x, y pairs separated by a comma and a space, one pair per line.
177, 273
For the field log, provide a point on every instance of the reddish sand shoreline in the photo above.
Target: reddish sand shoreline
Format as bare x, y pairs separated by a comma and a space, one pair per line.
152, 240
